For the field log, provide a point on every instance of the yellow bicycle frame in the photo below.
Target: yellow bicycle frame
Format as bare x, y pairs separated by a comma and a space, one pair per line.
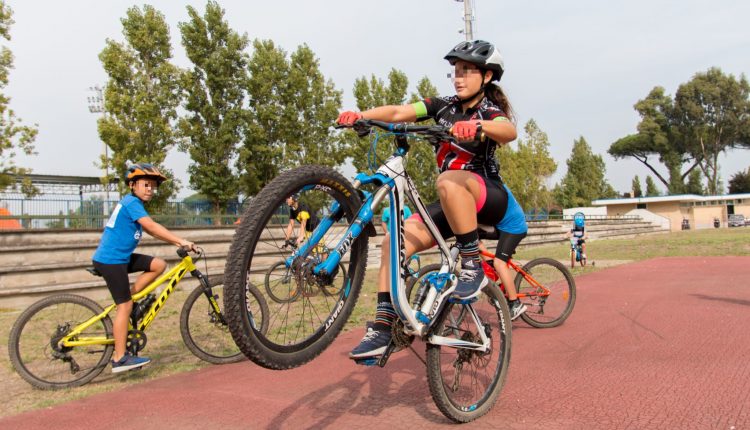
173, 276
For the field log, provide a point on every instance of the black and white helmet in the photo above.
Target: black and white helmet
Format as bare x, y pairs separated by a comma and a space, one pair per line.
482, 54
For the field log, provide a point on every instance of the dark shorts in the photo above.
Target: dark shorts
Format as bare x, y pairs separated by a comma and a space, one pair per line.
116, 275
491, 207
506, 245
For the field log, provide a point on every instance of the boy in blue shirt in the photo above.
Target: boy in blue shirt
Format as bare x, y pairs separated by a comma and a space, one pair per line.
114, 258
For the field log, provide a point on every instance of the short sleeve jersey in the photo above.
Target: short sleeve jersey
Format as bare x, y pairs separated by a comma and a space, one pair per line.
303, 212
578, 232
514, 221
122, 232
476, 156
386, 218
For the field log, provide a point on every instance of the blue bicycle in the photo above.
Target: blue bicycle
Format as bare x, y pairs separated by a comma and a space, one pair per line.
468, 342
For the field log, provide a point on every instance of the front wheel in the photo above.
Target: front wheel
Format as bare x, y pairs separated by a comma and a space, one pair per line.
204, 329
548, 290
466, 383
36, 354
299, 329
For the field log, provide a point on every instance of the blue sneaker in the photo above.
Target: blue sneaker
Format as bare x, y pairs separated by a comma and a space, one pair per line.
129, 362
470, 282
372, 345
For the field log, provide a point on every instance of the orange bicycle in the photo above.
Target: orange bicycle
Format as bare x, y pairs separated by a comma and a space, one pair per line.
544, 285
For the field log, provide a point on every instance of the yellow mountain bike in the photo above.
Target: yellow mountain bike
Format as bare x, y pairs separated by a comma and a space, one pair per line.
66, 340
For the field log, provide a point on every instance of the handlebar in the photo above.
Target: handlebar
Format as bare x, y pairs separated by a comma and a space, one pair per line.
182, 253
432, 132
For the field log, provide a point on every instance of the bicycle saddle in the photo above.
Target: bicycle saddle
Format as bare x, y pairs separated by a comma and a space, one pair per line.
489, 232
93, 271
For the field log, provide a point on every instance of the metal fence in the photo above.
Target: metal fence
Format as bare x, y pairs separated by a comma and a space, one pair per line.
93, 213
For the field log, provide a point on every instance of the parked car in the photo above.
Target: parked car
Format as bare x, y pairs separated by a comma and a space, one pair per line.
737, 220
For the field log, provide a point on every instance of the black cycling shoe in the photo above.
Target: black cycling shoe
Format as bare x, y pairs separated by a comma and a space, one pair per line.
372, 345
470, 283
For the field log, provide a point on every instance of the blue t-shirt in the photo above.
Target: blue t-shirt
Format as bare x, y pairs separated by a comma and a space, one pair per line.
514, 221
122, 232
386, 218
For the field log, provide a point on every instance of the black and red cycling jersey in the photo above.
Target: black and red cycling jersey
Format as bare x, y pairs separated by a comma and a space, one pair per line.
475, 156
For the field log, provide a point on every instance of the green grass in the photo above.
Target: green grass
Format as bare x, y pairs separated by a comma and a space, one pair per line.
170, 355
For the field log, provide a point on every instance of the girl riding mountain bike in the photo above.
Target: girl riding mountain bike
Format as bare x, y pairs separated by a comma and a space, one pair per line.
469, 185
114, 258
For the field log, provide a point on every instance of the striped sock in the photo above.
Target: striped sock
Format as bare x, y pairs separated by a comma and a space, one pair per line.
468, 247
385, 315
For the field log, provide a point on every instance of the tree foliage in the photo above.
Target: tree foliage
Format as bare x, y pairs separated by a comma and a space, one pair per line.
636, 187
292, 110
420, 162
14, 136
141, 96
712, 114
527, 169
740, 182
651, 189
584, 180
695, 183
708, 115
216, 117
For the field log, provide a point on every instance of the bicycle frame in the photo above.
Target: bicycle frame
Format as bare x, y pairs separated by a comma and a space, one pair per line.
173, 276
394, 182
544, 290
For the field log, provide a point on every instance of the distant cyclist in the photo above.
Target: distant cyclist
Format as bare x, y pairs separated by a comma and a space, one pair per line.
301, 213
114, 258
579, 232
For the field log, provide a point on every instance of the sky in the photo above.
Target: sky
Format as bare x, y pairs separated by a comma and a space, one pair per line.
575, 67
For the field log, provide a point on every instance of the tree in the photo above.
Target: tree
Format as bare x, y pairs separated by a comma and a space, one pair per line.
584, 180
312, 106
637, 192
712, 114
708, 115
13, 135
216, 118
262, 151
527, 169
651, 190
694, 184
740, 182
370, 93
293, 108
420, 162
141, 96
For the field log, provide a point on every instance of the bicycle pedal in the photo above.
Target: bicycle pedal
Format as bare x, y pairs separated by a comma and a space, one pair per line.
369, 361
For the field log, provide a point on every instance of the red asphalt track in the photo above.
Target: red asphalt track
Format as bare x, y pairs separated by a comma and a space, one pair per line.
663, 343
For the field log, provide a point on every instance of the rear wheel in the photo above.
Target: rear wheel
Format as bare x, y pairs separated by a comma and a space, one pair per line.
38, 357
551, 305
205, 331
466, 383
300, 329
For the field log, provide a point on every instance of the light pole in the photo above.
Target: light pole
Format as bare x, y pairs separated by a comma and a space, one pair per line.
468, 30
96, 105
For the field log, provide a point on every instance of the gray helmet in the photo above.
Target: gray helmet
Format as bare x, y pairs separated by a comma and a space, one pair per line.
482, 54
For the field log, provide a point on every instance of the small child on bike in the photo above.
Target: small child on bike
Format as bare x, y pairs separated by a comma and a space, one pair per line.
469, 185
579, 232
114, 258
301, 213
